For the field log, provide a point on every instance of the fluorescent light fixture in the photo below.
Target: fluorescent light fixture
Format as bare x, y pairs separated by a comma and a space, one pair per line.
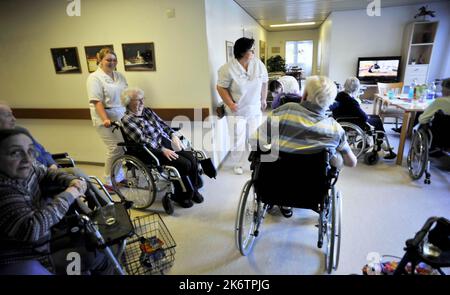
293, 24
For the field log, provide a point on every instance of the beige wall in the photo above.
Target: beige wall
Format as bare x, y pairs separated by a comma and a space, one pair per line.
225, 21
278, 39
31, 28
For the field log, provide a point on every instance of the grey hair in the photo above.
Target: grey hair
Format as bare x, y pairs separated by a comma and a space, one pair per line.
320, 90
351, 85
130, 93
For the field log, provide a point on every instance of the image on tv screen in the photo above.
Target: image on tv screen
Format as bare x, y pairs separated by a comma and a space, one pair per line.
378, 68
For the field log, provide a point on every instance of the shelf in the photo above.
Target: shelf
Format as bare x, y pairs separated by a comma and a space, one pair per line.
422, 44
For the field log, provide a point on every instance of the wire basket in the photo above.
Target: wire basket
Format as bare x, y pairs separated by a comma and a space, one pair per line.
149, 228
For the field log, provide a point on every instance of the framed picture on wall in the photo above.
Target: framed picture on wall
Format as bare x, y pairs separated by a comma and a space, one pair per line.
91, 55
66, 60
139, 56
262, 51
229, 50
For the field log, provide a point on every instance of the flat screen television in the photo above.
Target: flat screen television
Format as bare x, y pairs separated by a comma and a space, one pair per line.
385, 69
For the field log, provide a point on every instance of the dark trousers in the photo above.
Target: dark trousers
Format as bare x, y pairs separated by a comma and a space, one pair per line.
187, 166
376, 122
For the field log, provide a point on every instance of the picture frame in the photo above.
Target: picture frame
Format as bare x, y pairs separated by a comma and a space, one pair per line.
66, 60
139, 56
262, 51
229, 50
91, 55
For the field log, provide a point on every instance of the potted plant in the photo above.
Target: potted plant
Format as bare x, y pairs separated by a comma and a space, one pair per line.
276, 64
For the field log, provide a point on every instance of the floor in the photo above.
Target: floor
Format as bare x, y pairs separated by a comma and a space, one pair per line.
382, 208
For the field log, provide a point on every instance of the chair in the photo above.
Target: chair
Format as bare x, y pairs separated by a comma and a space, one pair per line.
282, 183
386, 111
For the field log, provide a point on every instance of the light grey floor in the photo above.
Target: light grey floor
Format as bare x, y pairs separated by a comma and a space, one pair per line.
382, 208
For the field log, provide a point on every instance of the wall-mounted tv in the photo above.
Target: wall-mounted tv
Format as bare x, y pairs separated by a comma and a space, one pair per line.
371, 70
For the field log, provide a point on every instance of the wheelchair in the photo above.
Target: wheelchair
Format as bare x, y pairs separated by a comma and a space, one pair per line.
426, 136
363, 138
313, 177
143, 180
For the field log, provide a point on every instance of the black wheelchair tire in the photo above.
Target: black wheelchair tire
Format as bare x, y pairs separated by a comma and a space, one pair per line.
167, 204
421, 139
371, 158
245, 239
147, 174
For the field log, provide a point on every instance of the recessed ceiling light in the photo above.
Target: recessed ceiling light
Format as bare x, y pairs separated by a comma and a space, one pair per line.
293, 24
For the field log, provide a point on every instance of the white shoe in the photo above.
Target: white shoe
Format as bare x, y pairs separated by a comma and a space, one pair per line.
238, 170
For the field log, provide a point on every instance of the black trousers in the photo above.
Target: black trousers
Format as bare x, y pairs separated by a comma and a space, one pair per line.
376, 122
187, 166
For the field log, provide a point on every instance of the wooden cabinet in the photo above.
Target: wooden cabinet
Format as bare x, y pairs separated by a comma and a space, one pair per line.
417, 49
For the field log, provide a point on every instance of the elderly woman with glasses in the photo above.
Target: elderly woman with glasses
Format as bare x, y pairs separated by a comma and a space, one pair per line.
142, 125
242, 85
104, 87
29, 211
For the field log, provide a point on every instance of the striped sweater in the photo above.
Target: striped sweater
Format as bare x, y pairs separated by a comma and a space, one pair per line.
27, 213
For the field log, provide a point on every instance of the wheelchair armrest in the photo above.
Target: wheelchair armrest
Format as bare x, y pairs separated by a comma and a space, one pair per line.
60, 156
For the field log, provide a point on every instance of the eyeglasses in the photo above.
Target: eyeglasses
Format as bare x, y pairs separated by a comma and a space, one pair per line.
21, 154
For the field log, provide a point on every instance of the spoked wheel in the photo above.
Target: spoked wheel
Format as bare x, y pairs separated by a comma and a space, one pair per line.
418, 155
167, 204
332, 233
356, 137
248, 219
138, 185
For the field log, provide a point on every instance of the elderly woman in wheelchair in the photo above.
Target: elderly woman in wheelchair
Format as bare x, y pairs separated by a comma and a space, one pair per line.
309, 139
34, 207
156, 159
365, 133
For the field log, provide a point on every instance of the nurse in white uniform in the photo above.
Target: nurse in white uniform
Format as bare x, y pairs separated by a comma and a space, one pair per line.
242, 85
104, 87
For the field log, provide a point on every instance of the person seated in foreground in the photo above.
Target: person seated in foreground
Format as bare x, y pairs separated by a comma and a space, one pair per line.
346, 105
142, 125
34, 201
285, 89
8, 121
305, 128
440, 103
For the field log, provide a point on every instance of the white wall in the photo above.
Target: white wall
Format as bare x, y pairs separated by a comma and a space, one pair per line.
224, 22
279, 39
355, 34
31, 28
323, 52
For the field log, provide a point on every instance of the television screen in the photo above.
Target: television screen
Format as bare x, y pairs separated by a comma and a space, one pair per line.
382, 69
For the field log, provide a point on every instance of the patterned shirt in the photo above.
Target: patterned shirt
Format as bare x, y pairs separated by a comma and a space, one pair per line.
304, 128
27, 214
148, 128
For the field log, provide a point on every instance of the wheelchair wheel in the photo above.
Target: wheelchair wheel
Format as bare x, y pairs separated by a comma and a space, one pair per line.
167, 204
418, 155
248, 219
356, 137
332, 229
138, 185
371, 158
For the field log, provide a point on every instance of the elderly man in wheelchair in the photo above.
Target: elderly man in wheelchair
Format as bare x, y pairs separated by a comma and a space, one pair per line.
365, 133
42, 218
156, 159
431, 138
300, 170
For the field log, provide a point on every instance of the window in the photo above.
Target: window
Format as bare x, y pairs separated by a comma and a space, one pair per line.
300, 54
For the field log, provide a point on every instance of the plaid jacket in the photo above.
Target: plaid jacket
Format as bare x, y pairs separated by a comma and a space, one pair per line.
148, 128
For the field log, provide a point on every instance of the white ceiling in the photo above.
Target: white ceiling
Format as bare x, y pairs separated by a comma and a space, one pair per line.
268, 12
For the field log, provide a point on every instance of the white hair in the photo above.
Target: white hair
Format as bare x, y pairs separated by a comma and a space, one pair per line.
130, 93
320, 90
351, 85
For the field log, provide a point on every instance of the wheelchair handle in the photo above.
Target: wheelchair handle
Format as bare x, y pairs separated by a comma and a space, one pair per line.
115, 125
